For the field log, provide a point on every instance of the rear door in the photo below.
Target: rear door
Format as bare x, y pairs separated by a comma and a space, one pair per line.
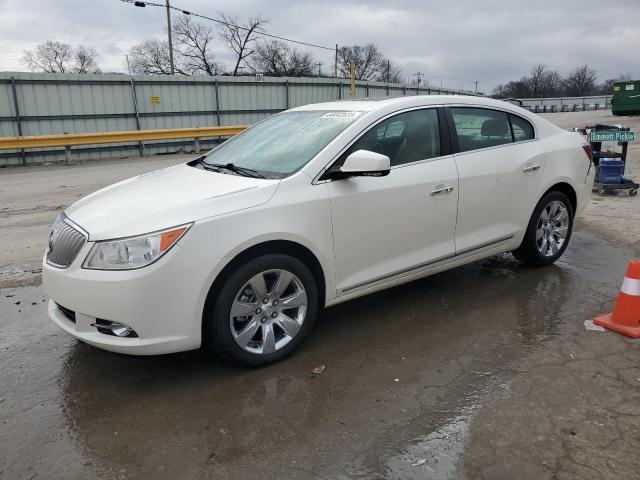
500, 166
385, 227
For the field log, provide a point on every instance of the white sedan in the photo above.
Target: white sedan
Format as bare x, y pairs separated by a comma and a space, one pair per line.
238, 250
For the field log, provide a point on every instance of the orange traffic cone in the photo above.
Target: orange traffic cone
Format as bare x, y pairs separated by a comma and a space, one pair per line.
626, 314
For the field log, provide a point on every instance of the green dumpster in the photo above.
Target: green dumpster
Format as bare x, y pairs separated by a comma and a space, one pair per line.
626, 98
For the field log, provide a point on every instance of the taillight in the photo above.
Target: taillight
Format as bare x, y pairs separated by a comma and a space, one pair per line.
588, 150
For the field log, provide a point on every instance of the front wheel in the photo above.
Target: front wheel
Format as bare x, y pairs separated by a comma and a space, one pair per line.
264, 310
548, 232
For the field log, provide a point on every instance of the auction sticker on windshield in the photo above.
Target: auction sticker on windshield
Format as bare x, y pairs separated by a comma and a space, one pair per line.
341, 114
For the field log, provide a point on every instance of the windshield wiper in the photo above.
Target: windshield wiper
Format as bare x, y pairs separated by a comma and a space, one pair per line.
247, 172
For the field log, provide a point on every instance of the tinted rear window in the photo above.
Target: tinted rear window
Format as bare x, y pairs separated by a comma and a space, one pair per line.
480, 128
522, 129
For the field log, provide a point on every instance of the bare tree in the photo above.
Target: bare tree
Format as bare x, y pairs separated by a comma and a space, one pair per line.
241, 37
86, 60
194, 44
389, 73
152, 57
368, 60
541, 83
52, 57
580, 82
514, 89
537, 79
58, 57
280, 60
552, 84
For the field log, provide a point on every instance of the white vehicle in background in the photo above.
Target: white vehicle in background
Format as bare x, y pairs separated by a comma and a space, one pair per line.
239, 249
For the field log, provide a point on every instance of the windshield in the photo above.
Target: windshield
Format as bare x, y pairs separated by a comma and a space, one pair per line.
283, 143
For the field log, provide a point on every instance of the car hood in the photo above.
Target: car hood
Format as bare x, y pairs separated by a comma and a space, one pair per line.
166, 198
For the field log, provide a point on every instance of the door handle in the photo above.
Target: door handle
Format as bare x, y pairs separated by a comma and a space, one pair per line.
531, 168
440, 191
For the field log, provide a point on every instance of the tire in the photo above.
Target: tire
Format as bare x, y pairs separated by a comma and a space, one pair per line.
534, 251
279, 327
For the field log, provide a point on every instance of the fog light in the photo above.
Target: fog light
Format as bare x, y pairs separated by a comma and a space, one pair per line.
114, 328
120, 330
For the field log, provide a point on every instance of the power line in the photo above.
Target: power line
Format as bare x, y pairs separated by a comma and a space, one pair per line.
42, 37
228, 24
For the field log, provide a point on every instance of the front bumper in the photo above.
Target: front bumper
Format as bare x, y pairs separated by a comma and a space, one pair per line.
162, 302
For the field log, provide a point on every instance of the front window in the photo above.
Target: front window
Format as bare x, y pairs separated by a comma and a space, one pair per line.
283, 143
405, 138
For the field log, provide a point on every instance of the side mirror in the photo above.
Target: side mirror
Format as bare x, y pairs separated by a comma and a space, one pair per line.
364, 163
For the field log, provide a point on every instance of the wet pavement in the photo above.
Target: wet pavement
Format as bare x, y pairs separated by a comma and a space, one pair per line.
484, 371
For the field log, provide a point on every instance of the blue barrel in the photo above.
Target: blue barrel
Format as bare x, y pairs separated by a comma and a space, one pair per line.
610, 170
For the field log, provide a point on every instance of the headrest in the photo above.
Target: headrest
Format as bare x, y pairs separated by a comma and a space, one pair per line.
494, 127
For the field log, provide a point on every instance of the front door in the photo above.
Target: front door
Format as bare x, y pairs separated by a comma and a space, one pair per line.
384, 227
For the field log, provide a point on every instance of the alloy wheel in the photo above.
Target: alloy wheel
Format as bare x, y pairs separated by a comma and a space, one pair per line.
552, 228
268, 311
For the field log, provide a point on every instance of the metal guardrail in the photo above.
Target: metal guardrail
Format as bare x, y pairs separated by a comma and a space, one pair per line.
69, 140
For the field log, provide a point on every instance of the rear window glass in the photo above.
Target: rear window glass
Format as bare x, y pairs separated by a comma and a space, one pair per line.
480, 128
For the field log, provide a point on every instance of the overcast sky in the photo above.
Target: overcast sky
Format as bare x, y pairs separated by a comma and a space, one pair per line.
453, 41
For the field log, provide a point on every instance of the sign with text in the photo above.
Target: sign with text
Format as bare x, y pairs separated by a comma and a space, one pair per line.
612, 136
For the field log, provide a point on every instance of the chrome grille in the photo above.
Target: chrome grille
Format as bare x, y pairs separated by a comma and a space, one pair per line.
65, 242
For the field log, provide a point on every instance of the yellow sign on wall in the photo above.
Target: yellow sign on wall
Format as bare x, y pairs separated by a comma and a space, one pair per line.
155, 100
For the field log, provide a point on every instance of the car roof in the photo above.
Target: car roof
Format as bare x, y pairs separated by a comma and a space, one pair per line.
382, 103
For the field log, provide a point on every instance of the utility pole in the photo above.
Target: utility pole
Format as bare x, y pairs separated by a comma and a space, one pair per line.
139, 3
319, 64
476, 82
353, 80
388, 71
170, 42
418, 76
335, 68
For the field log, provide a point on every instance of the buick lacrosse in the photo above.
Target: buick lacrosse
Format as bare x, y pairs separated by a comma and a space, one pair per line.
239, 249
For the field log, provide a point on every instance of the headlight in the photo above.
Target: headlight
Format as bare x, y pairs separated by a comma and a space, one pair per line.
133, 252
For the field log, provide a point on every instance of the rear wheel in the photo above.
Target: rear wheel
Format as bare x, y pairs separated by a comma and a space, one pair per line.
548, 232
264, 310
